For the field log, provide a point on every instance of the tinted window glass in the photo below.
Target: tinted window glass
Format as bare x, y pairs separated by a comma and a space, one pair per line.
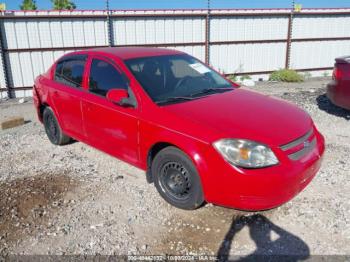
103, 77
70, 72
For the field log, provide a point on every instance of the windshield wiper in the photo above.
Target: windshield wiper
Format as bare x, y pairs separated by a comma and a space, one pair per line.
193, 96
211, 90
174, 99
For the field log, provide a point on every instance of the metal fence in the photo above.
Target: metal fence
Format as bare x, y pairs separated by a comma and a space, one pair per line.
235, 41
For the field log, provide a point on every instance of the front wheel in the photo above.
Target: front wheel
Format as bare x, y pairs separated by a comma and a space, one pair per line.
53, 129
177, 179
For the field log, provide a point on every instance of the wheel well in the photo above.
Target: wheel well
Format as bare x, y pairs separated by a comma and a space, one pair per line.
42, 108
151, 154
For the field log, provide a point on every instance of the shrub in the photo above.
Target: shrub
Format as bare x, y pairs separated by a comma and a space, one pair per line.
232, 77
245, 77
286, 75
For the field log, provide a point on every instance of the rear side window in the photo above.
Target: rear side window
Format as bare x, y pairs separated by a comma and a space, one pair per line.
70, 71
103, 77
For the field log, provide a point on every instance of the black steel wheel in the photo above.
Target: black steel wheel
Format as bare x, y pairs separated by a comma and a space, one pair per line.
176, 179
52, 128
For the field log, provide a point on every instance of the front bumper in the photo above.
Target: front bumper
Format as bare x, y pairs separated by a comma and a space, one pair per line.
264, 188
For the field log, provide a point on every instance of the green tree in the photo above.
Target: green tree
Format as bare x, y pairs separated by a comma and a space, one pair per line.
28, 5
63, 5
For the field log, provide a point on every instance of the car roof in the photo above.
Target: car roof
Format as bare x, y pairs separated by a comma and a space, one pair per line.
125, 53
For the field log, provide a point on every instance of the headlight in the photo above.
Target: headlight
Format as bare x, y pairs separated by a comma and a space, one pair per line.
245, 153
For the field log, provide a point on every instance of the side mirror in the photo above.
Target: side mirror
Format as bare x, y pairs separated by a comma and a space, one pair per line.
118, 96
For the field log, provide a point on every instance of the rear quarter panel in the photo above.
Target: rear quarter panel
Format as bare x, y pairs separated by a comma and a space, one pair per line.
42, 90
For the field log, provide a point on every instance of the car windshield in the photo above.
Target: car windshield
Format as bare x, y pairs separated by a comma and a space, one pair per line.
176, 78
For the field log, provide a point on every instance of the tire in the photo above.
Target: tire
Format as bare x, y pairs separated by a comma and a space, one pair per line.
177, 179
53, 129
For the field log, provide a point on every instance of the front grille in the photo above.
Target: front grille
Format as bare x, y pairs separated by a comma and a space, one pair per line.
301, 146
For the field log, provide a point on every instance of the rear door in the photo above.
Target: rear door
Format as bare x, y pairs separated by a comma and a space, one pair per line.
67, 91
109, 127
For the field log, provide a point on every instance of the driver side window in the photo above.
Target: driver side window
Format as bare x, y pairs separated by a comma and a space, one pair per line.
103, 77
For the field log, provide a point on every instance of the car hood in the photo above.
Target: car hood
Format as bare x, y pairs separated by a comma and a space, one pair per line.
246, 115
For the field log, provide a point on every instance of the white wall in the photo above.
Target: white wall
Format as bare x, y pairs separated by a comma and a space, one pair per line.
88, 28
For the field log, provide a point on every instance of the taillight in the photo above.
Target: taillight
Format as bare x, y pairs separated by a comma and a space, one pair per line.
337, 74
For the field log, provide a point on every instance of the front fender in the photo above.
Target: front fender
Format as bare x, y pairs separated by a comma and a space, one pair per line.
195, 149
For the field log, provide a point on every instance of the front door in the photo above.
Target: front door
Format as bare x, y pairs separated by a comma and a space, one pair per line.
109, 127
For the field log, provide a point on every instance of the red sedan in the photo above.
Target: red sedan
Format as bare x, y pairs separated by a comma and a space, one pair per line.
338, 91
197, 136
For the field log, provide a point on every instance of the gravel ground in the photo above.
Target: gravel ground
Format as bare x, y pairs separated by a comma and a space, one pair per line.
77, 200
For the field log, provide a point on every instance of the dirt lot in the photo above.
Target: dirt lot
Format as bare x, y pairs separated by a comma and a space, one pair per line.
77, 200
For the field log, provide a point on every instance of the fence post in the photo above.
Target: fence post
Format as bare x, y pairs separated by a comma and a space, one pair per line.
3, 58
109, 26
207, 35
289, 38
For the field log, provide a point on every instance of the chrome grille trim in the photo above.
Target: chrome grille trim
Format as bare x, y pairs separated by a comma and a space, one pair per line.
297, 141
304, 151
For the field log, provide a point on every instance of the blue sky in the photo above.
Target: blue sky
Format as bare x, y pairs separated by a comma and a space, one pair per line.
159, 4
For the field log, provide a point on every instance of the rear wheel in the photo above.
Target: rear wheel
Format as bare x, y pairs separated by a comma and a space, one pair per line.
52, 128
177, 179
